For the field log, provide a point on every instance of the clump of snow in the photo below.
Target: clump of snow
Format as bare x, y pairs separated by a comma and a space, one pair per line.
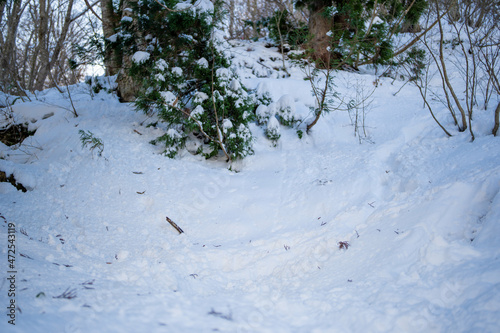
199, 97
244, 133
202, 62
265, 112
263, 92
102, 83
140, 57
177, 71
173, 133
235, 85
273, 130
204, 6
226, 124
188, 37
376, 20
198, 110
161, 64
286, 108
168, 96
223, 73
113, 38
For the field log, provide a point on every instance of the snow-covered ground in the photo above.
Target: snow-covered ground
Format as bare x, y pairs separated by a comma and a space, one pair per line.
398, 233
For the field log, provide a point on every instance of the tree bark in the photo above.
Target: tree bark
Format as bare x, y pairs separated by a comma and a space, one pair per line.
497, 120
319, 25
48, 64
110, 21
8, 73
232, 14
127, 87
454, 10
2, 9
41, 48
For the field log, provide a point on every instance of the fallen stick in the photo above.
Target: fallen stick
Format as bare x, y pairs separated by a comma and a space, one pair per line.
175, 226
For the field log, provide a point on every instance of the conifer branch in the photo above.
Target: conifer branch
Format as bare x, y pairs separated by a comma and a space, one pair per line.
219, 141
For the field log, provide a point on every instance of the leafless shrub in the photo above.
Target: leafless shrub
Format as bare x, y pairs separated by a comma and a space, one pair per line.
471, 51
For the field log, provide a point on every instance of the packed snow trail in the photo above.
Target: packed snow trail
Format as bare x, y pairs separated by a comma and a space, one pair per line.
418, 214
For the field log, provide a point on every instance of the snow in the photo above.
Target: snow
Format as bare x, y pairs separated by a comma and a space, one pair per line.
273, 129
235, 85
140, 57
160, 77
177, 71
161, 64
199, 97
222, 73
168, 96
370, 22
173, 133
200, 5
113, 38
263, 89
226, 123
188, 37
260, 251
198, 110
286, 107
263, 113
202, 62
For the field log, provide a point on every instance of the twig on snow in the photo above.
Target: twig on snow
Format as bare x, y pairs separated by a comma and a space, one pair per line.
175, 226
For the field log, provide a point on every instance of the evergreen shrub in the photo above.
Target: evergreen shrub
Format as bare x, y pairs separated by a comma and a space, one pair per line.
181, 65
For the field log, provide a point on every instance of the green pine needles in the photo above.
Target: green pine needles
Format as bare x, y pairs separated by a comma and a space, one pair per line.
93, 143
180, 63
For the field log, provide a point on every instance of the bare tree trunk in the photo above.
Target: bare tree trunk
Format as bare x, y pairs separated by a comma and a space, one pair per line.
232, 14
41, 48
8, 73
454, 10
497, 120
2, 9
110, 21
127, 88
25, 63
253, 10
48, 64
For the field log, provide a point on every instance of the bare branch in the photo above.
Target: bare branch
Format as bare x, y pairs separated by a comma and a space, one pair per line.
90, 7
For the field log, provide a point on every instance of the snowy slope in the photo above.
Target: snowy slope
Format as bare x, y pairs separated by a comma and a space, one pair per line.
260, 250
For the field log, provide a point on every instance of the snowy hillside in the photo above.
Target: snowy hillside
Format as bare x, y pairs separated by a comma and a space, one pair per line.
395, 231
